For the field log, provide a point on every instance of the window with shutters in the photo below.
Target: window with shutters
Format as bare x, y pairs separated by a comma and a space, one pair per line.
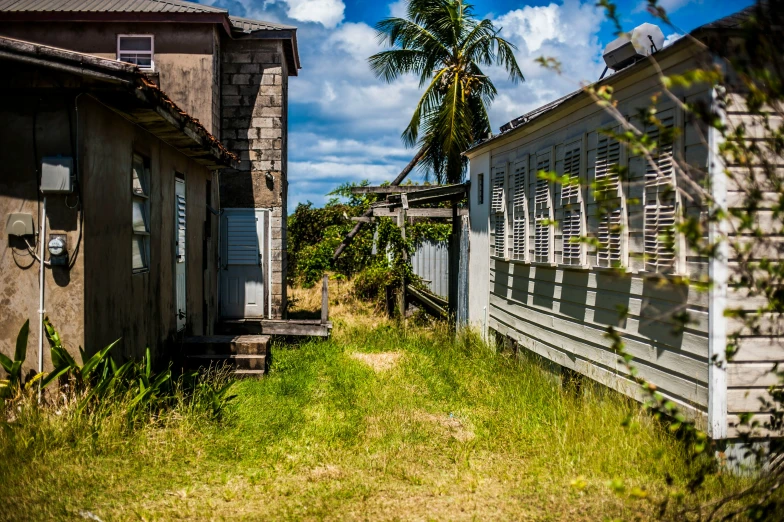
609, 252
140, 212
571, 225
519, 210
660, 200
542, 212
497, 213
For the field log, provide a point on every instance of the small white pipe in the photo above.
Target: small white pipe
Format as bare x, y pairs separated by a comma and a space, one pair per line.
41, 310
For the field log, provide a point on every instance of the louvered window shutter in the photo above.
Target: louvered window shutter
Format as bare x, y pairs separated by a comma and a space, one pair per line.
610, 228
497, 213
243, 240
180, 227
608, 157
542, 201
660, 202
519, 230
571, 232
570, 191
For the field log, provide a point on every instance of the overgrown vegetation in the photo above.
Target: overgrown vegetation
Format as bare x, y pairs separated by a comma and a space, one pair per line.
376, 255
376, 423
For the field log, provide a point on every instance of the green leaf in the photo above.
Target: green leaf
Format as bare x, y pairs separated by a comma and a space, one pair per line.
88, 367
6, 363
57, 373
21, 342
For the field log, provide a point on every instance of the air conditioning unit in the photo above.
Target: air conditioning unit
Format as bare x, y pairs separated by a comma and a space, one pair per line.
643, 41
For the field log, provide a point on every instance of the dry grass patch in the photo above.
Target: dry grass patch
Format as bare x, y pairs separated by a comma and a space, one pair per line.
379, 362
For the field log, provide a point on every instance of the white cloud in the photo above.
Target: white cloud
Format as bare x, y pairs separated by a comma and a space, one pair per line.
567, 32
399, 8
672, 38
328, 13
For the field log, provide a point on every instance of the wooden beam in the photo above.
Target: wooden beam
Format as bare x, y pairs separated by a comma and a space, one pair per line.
297, 328
424, 300
325, 300
431, 195
391, 189
445, 213
362, 219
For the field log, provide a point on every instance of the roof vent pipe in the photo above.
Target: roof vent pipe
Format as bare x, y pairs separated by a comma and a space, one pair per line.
643, 41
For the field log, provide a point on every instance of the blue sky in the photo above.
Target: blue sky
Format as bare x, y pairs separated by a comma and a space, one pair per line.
345, 124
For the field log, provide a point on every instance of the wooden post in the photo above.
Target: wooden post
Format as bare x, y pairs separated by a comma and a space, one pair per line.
325, 300
454, 257
401, 296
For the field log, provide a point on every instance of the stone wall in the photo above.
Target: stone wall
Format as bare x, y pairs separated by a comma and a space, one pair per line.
254, 85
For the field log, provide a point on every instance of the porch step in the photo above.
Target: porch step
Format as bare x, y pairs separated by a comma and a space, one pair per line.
284, 327
246, 354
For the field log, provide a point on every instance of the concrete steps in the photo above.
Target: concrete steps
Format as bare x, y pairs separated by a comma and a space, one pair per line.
246, 354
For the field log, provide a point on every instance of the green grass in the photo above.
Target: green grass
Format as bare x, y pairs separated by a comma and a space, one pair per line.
451, 431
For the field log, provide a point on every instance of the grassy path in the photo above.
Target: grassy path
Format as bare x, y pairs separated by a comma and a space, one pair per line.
376, 423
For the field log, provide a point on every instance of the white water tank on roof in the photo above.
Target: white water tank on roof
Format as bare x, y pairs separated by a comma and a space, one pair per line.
643, 41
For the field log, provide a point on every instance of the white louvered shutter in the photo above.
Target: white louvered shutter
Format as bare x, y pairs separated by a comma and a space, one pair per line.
519, 230
608, 157
571, 232
542, 201
660, 202
180, 227
498, 217
570, 191
609, 236
242, 241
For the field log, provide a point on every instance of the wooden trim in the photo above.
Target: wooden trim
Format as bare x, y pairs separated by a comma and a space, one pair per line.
718, 273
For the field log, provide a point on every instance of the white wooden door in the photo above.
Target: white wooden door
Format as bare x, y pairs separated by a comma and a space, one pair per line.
180, 251
242, 266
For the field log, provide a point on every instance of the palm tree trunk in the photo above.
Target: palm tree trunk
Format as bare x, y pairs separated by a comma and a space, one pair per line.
399, 179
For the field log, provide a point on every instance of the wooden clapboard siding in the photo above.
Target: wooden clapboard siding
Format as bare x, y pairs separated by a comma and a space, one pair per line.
563, 312
751, 371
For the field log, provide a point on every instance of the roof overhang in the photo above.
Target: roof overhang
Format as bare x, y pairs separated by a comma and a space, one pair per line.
123, 88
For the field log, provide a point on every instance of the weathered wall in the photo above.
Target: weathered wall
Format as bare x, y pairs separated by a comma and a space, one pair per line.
99, 299
254, 125
34, 127
562, 312
141, 307
185, 55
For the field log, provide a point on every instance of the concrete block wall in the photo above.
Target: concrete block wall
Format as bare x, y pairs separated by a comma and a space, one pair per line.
254, 85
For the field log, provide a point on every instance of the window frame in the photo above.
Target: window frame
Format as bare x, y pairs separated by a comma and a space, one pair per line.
480, 188
151, 52
144, 199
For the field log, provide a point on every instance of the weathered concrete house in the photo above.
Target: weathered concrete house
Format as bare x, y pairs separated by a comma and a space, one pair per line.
110, 183
556, 298
230, 74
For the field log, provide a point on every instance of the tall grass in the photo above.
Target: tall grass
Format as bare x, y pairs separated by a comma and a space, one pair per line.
445, 428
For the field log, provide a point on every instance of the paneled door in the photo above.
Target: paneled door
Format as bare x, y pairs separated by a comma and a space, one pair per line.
180, 251
242, 263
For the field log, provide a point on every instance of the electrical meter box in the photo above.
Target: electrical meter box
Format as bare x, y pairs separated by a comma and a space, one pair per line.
56, 175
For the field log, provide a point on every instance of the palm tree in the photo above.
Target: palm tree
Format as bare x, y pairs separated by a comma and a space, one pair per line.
442, 42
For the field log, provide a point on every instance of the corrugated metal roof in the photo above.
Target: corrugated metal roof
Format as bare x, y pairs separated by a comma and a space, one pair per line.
107, 6
246, 25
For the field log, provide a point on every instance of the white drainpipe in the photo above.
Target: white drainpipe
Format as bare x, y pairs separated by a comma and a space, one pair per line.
41, 309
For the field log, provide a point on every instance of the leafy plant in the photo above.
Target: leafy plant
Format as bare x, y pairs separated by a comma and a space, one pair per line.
10, 386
